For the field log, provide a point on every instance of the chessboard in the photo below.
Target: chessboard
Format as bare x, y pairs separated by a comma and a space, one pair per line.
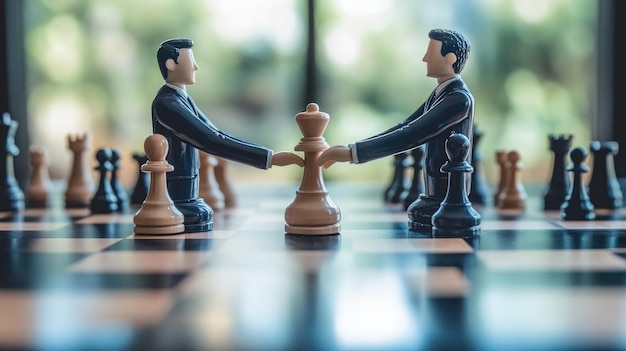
70, 280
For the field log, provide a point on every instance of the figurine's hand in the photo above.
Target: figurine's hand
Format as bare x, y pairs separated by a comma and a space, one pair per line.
338, 153
284, 158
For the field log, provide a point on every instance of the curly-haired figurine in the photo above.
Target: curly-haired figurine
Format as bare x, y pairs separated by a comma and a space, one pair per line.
448, 109
187, 129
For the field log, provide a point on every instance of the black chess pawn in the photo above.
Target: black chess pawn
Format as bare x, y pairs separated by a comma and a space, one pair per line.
394, 191
559, 185
577, 205
603, 189
417, 184
479, 190
140, 191
11, 195
104, 200
456, 217
118, 188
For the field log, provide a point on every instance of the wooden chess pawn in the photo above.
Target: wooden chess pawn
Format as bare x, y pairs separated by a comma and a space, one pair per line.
208, 188
222, 176
312, 211
503, 164
456, 217
514, 197
158, 214
40, 185
80, 185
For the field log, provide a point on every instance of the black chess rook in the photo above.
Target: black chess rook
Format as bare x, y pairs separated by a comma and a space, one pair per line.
559, 185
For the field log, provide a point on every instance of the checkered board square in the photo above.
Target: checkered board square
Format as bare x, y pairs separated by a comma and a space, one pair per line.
74, 280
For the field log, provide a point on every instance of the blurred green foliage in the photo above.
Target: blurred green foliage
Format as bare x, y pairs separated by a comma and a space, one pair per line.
92, 67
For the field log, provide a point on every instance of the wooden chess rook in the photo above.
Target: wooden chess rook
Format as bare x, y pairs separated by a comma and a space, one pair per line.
312, 211
80, 185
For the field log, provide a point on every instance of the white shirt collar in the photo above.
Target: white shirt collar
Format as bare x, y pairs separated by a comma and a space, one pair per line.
177, 88
444, 84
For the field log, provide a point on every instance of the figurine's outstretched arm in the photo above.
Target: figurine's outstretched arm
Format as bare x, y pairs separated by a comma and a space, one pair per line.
337, 153
284, 158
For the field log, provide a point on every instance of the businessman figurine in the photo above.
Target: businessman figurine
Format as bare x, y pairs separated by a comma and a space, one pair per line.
187, 129
449, 109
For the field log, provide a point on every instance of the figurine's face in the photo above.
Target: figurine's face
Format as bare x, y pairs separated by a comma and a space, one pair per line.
438, 66
183, 73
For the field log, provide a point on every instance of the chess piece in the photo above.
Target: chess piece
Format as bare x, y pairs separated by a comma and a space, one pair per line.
209, 188
479, 190
503, 165
577, 205
514, 197
456, 217
80, 184
222, 176
397, 186
603, 189
158, 214
40, 186
312, 211
417, 183
11, 196
104, 200
559, 180
141, 185
118, 188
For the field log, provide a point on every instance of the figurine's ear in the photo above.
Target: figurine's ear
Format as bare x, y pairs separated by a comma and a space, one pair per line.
450, 58
170, 64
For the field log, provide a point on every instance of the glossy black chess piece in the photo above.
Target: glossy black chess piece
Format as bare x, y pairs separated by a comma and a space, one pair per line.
456, 217
479, 192
140, 191
577, 205
11, 195
104, 200
417, 182
559, 185
603, 189
118, 188
397, 187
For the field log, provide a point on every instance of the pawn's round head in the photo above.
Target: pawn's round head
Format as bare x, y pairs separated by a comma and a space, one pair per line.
578, 154
457, 147
103, 155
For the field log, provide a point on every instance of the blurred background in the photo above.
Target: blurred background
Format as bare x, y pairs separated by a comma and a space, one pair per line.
91, 67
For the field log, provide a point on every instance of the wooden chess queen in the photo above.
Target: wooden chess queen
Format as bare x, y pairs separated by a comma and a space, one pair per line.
312, 211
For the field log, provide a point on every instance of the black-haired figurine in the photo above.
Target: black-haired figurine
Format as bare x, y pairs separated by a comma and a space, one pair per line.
187, 129
450, 107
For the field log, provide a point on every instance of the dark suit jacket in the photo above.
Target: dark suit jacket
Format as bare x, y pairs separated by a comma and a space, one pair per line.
451, 111
187, 129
